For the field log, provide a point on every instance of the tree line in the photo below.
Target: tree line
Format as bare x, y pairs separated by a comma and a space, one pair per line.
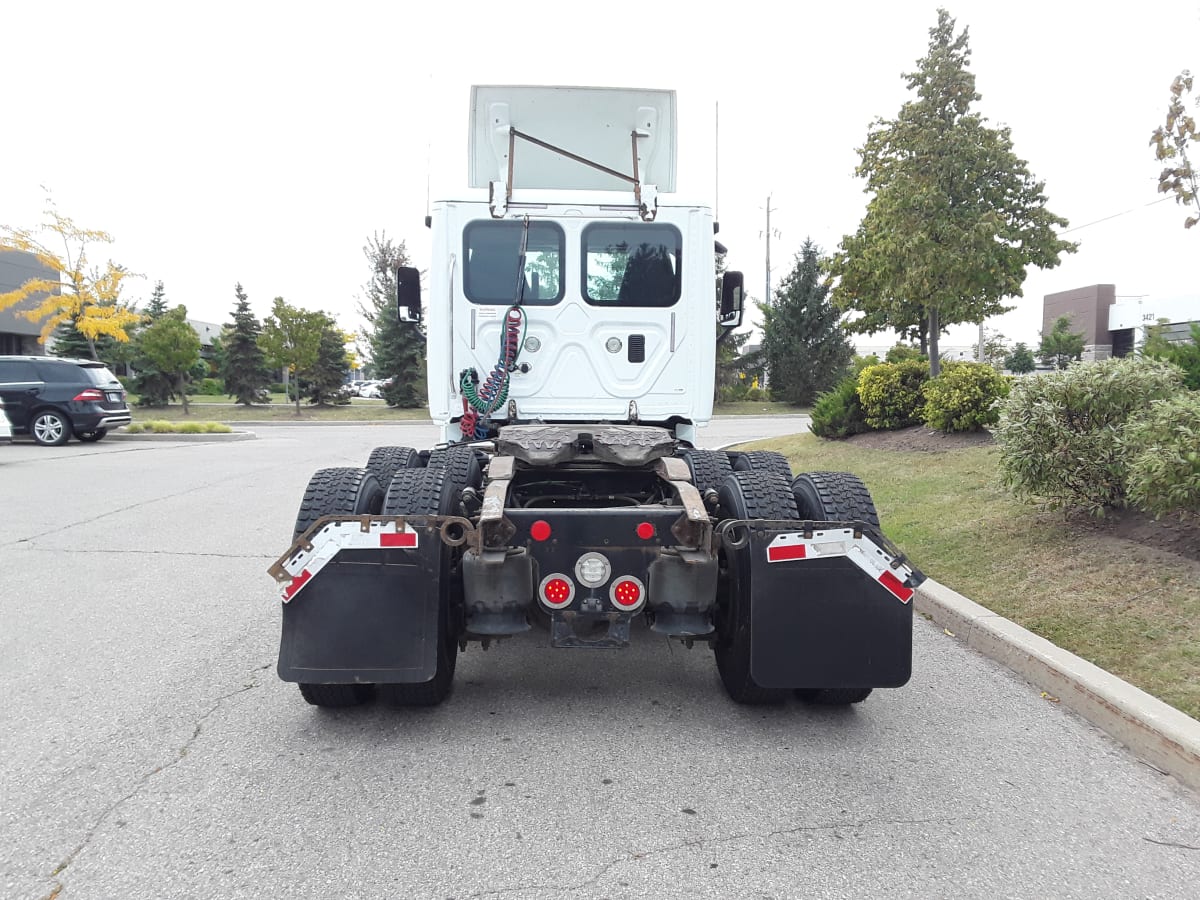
953, 221
83, 315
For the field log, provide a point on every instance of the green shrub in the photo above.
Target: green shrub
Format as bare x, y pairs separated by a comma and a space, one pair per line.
890, 393
838, 413
278, 387
755, 395
1185, 354
1162, 446
161, 426
1060, 432
903, 353
861, 362
964, 397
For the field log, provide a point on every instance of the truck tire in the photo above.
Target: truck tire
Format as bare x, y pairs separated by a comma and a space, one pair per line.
462, 460
336, 696
745, 495
763, 461
833, 696
433, 491
834, 497
709, 468
384, 462
338, 492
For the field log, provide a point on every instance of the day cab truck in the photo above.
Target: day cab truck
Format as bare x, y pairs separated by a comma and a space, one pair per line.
571, 322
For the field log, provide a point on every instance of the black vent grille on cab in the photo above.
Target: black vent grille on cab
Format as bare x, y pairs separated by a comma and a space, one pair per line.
637, 348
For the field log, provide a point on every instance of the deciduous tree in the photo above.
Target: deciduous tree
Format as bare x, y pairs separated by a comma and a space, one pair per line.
79, 293
955, 217
291, 338
172, 347
1170, 142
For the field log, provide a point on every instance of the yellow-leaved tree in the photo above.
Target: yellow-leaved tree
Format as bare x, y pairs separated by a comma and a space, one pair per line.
78, 292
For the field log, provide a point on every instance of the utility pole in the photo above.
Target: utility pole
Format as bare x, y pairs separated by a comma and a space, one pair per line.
767, 297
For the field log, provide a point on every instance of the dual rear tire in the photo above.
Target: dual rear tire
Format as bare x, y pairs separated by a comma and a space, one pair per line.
411, 490
762, 493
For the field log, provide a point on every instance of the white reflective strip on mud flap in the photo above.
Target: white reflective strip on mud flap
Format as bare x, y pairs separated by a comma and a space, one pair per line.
338, 536
861, 551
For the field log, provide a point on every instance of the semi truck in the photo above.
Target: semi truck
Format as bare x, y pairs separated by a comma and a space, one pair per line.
572, 311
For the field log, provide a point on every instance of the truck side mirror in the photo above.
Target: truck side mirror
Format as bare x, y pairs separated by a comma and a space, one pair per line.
408, 294
732, 294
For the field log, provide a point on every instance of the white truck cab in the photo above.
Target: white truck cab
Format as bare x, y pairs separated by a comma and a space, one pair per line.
569, 270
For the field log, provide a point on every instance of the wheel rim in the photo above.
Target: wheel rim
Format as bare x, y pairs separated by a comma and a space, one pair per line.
48, 428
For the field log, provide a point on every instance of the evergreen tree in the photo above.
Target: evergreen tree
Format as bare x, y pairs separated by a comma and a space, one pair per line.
323, 381
1020, 360
805, 345
243, 365
157, 307
397, 348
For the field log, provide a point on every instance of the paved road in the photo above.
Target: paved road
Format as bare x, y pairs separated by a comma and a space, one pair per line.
150, 751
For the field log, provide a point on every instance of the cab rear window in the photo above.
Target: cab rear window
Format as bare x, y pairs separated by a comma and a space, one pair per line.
492, 255
631, 264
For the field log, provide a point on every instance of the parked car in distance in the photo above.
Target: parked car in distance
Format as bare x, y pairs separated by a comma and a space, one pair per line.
5, 427
54, 398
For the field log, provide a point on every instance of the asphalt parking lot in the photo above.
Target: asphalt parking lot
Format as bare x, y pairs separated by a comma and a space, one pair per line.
149, 750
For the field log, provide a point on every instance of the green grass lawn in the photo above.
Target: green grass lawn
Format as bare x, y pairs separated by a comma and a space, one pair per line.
757, 408
1130, 609
223, 409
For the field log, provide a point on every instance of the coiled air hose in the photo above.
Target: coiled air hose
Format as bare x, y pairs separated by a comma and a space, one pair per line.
480, 401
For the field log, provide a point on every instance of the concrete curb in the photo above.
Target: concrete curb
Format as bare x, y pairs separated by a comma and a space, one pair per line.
1158, 733
199, 438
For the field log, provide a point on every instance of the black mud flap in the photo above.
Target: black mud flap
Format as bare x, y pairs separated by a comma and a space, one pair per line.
367, 616
825, 623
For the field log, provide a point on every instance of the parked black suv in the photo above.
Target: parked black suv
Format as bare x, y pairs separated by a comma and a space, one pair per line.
53, 398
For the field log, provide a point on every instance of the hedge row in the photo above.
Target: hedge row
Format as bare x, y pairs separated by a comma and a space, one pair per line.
886, 396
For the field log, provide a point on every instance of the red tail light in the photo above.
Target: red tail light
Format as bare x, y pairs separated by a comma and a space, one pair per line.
627, 593
557, 591
91, 395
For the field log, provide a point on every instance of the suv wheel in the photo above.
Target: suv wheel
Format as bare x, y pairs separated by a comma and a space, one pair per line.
50, 428
90, 436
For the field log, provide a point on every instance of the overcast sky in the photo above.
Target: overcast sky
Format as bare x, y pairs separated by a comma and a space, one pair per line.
264, 142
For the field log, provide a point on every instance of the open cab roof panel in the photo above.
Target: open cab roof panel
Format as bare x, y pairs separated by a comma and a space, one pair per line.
598, 124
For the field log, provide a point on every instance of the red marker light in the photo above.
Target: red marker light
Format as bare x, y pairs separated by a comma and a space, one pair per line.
91, 395
557, 591
627, 593
645, 531
540, 530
